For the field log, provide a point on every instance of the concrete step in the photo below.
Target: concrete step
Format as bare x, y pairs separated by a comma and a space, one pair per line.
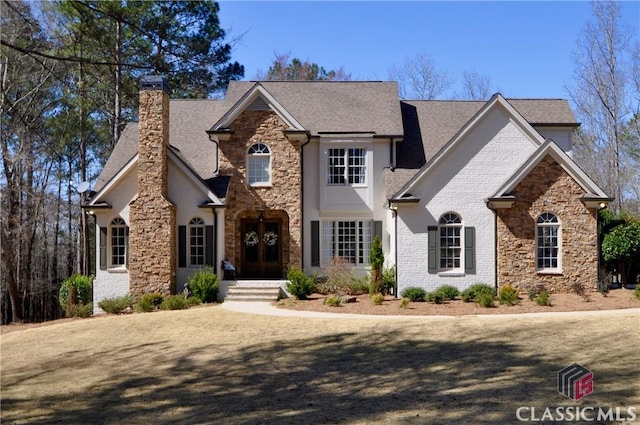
253, 293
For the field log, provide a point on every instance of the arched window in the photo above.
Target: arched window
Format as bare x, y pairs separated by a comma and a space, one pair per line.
547, 242
119, 242
196, 242
259, 164
450, 242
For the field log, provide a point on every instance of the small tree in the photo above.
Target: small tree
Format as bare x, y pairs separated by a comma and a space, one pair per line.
376, 258
622, 246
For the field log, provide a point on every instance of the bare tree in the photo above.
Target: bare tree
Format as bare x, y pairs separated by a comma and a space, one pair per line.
475, 86
419, 78
601, 91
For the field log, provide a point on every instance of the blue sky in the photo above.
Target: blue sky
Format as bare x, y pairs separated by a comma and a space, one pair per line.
525, 48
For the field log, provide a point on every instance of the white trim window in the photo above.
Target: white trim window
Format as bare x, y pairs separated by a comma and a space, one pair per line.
119, 243
259, 165
347, 166
548, 242
347, 239
450, 242
196, 242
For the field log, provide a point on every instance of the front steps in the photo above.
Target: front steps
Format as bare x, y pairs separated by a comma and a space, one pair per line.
255, 290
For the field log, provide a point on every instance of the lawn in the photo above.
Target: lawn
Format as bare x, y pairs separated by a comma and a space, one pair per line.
212, 366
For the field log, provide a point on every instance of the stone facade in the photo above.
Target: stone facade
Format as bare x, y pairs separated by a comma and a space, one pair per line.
547, 188
152, 240
281, 200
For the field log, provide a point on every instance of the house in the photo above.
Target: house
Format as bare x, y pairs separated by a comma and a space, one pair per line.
281, 174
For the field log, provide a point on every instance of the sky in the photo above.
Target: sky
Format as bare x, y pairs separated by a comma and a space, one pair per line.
525, 48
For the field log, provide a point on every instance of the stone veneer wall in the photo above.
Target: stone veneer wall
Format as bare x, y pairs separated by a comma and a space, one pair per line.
152, 240
281, 200
548, 188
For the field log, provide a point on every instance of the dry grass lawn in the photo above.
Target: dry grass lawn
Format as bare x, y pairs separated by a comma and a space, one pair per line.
212, 366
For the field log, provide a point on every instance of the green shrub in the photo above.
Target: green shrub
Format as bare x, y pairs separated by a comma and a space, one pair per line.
508, 295
485, 300
534, 290
448, 292
203, 284
149, 302
475, 290
404, 303
300, 285
388, 280
414, 294
193, 301
333, 301
435, 297
117, 304
83, 286
376, 259
636, 292
544, 299
377, 299
80, 310
357, 286
174, 302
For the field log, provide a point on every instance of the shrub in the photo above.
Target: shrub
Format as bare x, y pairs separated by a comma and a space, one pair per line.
193, 301
636, 292
338, 278
333, 301
414, 294
376, 259
377, 299
203, 284
117, 304
508, 295
475, 290
357, 286
80, 310
435, 297
174, 302
404, 303
388, 280
300, 285
485, 300
83, 286
448, 292
534, 290
580, 289
544, 299
149, 302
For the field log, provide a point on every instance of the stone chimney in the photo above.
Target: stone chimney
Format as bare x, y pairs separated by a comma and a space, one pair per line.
152, 239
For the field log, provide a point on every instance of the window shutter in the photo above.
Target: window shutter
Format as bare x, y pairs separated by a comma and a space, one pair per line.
377, 229
433, 249
315, 243
182, 246
208, 247
103, 248
126, 249
470, 250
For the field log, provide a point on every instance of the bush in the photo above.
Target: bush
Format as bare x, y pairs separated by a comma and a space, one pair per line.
580, 289
338, 278
475, 290
300, 285
414, 294
193, 301
83, 286
377, 299
357, 286
435, 297
149, 302
508, 295
544, 299
333, 301
404, 303
174, 302
203, 284
636, 292
117, 304
448, 292
485, 300
80, 310
388, 280
534, 290
376, 259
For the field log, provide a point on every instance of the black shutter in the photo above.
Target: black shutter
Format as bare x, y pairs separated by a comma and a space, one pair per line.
470, 250
377, 229
208, 247
182, 246
126, 249
103, 248
433, 249
315, 243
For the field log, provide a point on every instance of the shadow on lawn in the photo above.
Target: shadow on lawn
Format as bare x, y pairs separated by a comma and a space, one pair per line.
341, 378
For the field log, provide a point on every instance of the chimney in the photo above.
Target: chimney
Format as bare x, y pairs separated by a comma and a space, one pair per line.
152, 239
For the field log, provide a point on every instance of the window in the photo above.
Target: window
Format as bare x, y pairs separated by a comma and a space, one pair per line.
196, 242
450, 242
350, 240
547, 242
119, 242
347, 166
259, 164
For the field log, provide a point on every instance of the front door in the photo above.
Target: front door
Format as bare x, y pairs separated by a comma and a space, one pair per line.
261, 249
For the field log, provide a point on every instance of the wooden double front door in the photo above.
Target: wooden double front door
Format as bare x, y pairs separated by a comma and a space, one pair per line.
261, 242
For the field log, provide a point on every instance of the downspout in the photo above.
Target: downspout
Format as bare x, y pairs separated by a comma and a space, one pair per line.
495, 248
